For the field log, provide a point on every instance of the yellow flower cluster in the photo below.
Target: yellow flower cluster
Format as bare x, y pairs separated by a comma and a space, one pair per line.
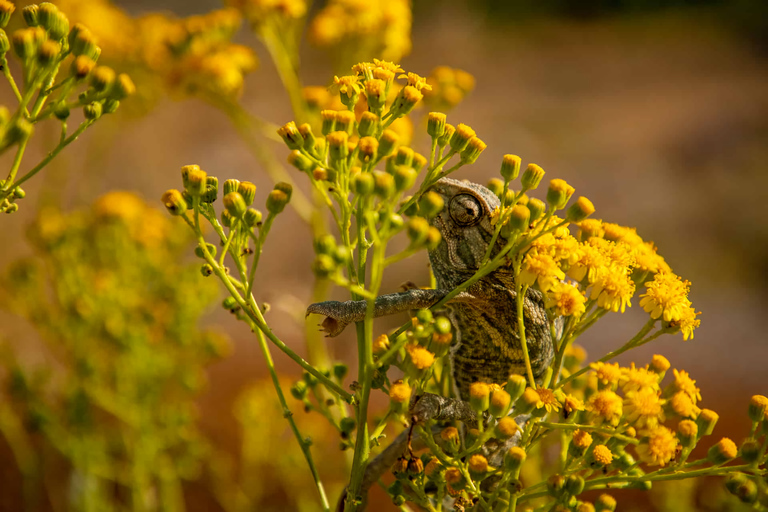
631, 399
186, 56
604, 262
360, 29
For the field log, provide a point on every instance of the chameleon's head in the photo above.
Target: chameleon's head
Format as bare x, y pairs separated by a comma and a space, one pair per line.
465, 226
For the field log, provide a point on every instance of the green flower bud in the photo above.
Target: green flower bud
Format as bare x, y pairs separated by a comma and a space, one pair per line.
470, 154
559, 193
30, 14
123, 87
235, 204
510, 167
734, 481
419, 161
431, 204
367, 148
248, 191
722, 452
532, 177
299, 390
5, 43
369, 125
276, 201
196, 182
580, 210
444, 139
408, 97
758, 405
387, 143
500, 402
750, 450
337, 145
340, 371
479, 396
395, 221
574, 485
53, 20
363, 184
206, 270
19, 193
376, 94
496, 186
83, 42
18, 132
514, 459
442, 325
92, 111
174, 202
405, 177
605, 503
747, 492
519, 218
461, 137
329, 121
6, 9
230, 304
347, 425
324, 266
310, 141
537, 209
226, 219
231, 185
345, 121
48, 52
515, 386
404, 156
291, 136
384, 184
82, 66
287, 188
24, 43
211, 189
688, 433
418, 228
102, 78
61, 112
706, 421
436, 124
252, 217
185, 170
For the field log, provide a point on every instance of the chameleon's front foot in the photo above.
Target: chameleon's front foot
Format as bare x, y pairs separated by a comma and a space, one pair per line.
336, 318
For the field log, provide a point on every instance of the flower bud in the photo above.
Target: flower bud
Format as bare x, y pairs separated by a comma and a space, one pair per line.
252, 217
514, 459
376, 94
687, 432
757, 408
500, 402
206, 270
750, 450
122, 88
310, 141
19, 193
405, 177
196, 181
337, 145
18, 132
368, 147
722, 452
235, 204
329, 122
706, 422
200, 253
299, 390
174, 202
574, 485
470, 154
519, 218
345, 121
443, 140
436, 124
431, 204
479, 396
478, 465
102, 78
83, 42
605, 503
510, 167
418, 228
537, 209
82, 66
387, 143
369, 125
291, 136
30, 14
384, 184
558, 193
48, 52
601, 455
230, 185
455, 479
53, 20
6, 9
92, 111
276, 201
399, 393
407, 99
580, 210
659, 364
404, 156
380, 344
506, 427
532, 177
211, 189
496, 186
5, 43
248, 191
419, 161
515, 386
363, 184
287, 188
24, 43
324, 265
581, 441
461, 137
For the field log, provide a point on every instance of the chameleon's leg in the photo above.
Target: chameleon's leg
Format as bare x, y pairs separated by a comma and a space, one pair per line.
340, 314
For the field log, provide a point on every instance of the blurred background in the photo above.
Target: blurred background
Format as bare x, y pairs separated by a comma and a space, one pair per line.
656, 111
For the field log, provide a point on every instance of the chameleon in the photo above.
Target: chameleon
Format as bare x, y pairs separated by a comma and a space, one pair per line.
486, 344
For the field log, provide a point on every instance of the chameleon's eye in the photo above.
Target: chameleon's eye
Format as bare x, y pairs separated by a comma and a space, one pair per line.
465, 210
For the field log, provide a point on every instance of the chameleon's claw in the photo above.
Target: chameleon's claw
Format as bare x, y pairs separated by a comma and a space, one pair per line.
333, 325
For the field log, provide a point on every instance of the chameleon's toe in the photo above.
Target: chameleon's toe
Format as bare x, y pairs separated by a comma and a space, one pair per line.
332, 325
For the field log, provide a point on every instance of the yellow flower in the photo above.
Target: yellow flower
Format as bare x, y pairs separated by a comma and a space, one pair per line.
666, 296
602, 455
420, 357
582, 439
417, 81
682, 405
635, 379
588, 266
613, 288
380, 344
683, 382
643, 408
572, 404
608, 374
348, 85
618, 253
541, 268
547, 400
688, 322
658, 447
566, 299
400, 392
605, 406
478, 464
589, 228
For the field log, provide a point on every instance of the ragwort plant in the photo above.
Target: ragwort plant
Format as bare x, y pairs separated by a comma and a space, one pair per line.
612, 427
47, 46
